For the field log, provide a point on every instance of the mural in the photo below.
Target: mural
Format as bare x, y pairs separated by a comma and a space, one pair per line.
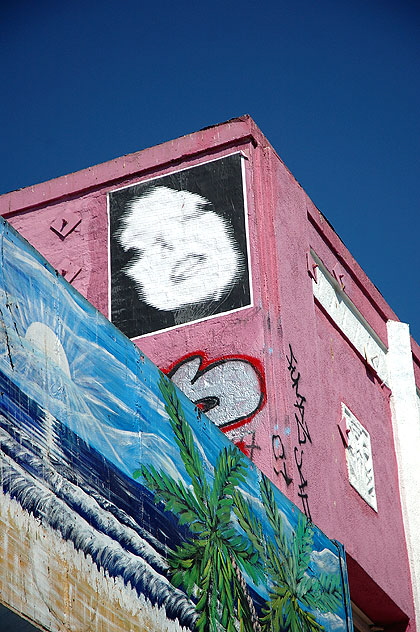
178, 248
123, 506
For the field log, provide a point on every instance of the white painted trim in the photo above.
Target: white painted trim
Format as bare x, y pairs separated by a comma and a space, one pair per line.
247, 235
349, 320
406, 426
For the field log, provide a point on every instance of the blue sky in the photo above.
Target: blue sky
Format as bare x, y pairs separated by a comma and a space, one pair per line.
332, 84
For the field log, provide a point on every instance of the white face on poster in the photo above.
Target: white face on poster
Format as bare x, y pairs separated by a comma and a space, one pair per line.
186, 253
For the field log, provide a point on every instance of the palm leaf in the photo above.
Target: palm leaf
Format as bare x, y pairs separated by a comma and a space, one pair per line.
208, 564
185, 441
186, 565
295, 594
228, 473
272, 619
213, 600
247, 521
303, 544
175, 496
203, 605
225, 574
246, 615
308, 622
323, 592
274, 516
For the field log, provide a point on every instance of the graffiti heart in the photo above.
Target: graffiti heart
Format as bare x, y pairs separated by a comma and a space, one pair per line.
230, 390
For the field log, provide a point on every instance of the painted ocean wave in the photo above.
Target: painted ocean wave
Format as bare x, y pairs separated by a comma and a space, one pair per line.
74, 490
56, 444
79, 501
106, 552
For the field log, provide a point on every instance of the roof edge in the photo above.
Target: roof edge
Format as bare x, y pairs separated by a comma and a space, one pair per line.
234, 131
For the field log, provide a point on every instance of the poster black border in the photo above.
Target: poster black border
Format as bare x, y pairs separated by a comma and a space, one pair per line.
180, 179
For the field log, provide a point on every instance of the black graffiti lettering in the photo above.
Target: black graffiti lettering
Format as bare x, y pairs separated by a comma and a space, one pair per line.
298, 464
305, 505
278, 447
295, 379
300, 403
280, 455
252, 447
292, 360
283, 472
303, 484
303, 434
303, 431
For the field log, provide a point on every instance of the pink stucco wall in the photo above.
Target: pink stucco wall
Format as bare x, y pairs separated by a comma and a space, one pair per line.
283, 226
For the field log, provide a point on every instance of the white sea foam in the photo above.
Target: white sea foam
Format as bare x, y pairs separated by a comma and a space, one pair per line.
104, 603
113, 546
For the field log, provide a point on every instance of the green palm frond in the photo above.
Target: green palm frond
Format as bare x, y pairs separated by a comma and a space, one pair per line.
230, 470
185, 441
209, 564
276, 522
304, 538
248, 522
176, 497
187, 564
323, 592
272, 619
307, 621
246, 613
224, 574
295, 594
207, 602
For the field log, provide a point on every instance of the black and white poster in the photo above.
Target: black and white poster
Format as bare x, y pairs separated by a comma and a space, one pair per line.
178, 248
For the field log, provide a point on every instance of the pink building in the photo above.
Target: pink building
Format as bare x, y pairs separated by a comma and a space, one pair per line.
208, 254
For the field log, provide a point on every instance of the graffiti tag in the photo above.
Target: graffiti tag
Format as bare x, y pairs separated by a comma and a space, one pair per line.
248, 448
230, 390
303, 435
279, 453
